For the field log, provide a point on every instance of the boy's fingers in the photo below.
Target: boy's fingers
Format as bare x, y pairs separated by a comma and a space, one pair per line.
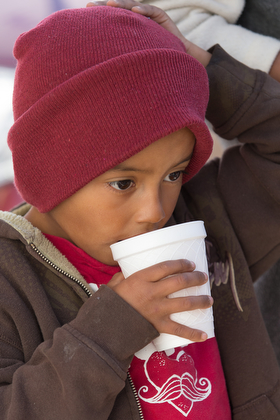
181, 281
148, 10
164, 269
126, 4
153, 274
185, 332
152, 12
97, 3
123, 4
189, 303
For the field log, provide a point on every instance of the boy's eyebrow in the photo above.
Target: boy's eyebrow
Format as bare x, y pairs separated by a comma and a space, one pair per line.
120, 167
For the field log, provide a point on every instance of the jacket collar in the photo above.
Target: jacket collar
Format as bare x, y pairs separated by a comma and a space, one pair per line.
14, 226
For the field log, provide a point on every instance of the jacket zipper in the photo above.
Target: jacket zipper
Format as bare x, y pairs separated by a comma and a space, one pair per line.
44, 258
88, 292
135, 396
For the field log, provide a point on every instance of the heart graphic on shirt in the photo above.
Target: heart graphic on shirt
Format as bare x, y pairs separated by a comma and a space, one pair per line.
182, 389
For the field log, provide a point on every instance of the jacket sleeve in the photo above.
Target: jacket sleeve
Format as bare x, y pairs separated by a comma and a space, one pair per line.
245, 103
79, 370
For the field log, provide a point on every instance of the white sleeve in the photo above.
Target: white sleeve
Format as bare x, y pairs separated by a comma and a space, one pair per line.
210, 22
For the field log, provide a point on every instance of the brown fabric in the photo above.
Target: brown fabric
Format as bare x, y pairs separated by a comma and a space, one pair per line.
65, 355
68, 371
238, 199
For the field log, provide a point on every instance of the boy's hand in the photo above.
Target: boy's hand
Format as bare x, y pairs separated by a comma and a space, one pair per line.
160, 17
147, 292
154, 13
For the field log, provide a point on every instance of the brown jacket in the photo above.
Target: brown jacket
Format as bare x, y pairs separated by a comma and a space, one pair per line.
64, 352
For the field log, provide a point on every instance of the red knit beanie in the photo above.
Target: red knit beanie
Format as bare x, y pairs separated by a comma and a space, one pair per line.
93, 87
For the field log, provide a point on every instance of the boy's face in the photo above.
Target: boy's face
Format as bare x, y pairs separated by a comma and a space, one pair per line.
135, 197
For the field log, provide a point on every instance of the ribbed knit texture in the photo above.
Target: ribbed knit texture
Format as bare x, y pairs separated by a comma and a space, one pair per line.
93, 87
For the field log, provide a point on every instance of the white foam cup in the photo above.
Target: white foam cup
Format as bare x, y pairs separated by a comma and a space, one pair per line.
183, 241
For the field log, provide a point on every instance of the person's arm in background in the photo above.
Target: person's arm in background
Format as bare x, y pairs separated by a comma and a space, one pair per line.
207, 23
162, 19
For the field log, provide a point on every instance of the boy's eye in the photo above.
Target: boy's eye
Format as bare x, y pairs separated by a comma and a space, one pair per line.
121, 185
173, 176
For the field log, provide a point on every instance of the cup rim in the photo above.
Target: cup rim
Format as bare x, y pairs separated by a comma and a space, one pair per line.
149, 240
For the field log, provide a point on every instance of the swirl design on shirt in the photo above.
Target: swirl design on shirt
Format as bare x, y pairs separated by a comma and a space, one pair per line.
181, 391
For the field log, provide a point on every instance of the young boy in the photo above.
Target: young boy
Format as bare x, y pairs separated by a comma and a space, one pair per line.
109, 125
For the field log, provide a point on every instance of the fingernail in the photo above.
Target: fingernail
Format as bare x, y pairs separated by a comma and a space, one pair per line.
192, 264
206, 276
204, 336
99, 2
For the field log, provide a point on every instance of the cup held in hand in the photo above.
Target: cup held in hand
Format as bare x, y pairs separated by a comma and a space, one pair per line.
183, 241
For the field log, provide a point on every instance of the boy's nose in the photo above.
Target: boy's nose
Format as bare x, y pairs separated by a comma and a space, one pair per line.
150, 209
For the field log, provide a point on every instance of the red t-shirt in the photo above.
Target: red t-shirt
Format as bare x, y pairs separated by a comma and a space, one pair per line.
188, 383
